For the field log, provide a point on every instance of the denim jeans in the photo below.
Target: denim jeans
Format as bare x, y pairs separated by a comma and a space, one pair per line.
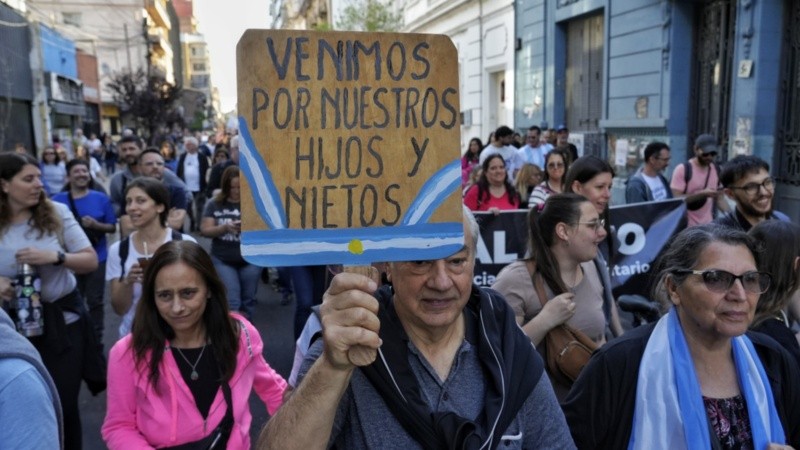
241, 283
93, 287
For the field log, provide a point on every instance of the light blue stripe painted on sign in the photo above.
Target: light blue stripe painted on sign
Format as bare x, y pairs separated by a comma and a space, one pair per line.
333, 246
268, 200
433, 193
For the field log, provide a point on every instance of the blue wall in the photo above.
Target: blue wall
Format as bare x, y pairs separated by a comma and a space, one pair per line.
58, 53
648, 54
756, 98
635, 69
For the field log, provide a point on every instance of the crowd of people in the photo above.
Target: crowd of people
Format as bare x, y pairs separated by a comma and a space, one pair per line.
416, 355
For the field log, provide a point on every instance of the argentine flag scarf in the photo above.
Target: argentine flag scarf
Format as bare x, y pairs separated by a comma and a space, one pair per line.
669, 411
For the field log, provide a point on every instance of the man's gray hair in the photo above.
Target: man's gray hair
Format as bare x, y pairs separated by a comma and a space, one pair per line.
191, 139
474, 229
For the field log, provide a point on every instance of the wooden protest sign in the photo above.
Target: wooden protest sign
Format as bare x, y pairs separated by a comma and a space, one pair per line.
349, 147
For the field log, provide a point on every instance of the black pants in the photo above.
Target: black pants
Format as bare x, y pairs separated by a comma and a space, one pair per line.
198, 204
93, 286
66, 369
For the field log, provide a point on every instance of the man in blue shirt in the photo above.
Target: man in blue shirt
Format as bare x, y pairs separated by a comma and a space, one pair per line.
93, 210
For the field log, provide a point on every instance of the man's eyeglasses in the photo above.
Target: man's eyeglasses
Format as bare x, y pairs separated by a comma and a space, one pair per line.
754, 188
595, 224
720, 281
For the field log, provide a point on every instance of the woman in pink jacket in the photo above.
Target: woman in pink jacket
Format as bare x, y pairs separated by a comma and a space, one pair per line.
183, 377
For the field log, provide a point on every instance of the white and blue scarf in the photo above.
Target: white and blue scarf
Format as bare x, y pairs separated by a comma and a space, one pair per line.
669, 411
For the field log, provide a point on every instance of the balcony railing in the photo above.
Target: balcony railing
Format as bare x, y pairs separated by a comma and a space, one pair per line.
157, 9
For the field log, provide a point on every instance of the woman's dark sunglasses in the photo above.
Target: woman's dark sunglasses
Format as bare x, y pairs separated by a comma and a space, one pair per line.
720, 281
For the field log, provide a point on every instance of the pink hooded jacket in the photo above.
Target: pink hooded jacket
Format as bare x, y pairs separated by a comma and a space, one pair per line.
139, 416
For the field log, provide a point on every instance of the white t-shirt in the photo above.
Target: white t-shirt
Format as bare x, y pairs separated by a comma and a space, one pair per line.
57, 281
94, 145
191, 172
534, 155
509, 153
95, 168
656, 187
113, 272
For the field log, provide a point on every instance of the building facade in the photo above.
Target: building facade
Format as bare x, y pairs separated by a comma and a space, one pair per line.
88, 73
620, 74
197, 101
113, 31
483, 33
303, 14
16, 81
63, 110
158, 25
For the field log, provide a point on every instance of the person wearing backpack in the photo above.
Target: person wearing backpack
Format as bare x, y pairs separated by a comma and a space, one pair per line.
697, 181
147, 205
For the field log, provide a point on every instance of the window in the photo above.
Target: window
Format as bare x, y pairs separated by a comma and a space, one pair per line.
199, 67
200, 81
72, 18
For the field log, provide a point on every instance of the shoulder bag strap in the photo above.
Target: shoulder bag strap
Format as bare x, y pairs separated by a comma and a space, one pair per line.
74, 208
687, 175
123, 256
536, 278
227, 420
708, 175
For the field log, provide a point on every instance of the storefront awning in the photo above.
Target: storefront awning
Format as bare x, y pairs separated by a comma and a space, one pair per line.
69, 109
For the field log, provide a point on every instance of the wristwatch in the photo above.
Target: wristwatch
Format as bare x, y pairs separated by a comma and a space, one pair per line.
61, 258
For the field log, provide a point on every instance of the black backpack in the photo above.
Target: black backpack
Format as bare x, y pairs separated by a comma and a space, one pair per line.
687, 174
123, 250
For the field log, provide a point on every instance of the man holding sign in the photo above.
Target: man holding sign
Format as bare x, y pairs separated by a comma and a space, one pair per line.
370, 174
452, 370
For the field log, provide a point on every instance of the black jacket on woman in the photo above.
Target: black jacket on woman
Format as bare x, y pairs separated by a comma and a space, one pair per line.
599, 408
204, 166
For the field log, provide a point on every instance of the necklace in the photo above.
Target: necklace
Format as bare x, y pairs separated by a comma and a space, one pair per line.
575, 280
194, 376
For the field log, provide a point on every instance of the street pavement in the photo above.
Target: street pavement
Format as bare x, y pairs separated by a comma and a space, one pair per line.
275, 323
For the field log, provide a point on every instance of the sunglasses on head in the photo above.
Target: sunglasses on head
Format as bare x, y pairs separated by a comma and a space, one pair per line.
720, 281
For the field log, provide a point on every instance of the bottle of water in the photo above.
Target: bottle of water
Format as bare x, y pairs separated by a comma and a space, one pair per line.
27, 308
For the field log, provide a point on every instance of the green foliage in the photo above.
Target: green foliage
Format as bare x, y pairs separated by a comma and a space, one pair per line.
370, 15
323, 26
197, 121
149, 101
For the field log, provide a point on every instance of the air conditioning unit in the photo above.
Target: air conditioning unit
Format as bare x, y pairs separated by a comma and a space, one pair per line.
466, 118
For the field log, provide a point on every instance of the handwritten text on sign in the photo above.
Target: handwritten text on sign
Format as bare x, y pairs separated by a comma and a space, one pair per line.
357, 130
